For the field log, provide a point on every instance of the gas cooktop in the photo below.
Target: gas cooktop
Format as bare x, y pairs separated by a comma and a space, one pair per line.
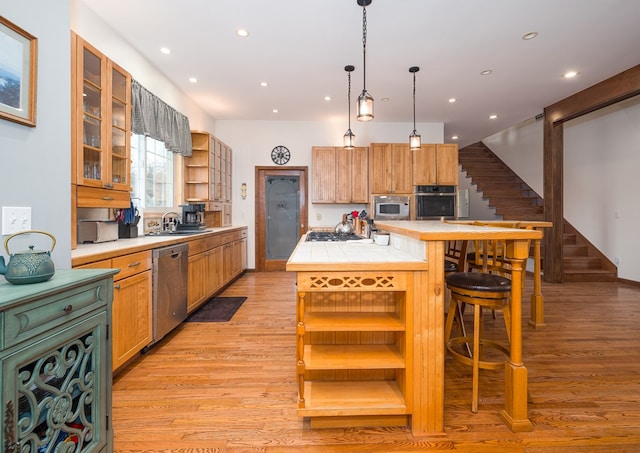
328, 236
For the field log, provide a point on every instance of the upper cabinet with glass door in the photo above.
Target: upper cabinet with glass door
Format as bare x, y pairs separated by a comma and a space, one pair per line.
101, 124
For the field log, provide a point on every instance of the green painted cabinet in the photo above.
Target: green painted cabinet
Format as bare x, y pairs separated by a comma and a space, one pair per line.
55, 363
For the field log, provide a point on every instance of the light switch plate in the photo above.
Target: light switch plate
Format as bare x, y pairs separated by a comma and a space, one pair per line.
15, 219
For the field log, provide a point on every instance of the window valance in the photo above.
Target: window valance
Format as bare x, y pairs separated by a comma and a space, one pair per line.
151, 116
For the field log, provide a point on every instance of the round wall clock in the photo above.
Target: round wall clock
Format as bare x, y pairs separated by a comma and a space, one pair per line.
280, 155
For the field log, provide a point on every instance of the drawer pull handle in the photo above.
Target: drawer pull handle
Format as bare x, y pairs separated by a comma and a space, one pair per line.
116, 286
67, 308
137, 263
107, 198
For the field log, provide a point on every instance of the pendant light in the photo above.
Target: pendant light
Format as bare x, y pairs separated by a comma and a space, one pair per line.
365, 100
349, 138
414, 138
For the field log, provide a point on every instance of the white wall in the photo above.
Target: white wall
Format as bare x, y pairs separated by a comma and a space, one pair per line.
252, 142
521, 148
91, 28
601, 161
36, 162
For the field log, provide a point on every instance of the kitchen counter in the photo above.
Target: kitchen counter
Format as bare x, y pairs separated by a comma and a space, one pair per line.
351, 255
380, 310
86, 253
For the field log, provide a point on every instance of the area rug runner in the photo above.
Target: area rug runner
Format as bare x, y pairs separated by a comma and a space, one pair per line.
217, 309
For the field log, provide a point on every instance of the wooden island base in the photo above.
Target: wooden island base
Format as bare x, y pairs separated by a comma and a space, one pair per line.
370, 329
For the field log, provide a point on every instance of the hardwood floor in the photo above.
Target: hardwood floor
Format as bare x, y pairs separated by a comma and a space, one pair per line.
230, 387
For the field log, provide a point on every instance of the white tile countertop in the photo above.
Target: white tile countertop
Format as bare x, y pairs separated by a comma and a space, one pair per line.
351, 255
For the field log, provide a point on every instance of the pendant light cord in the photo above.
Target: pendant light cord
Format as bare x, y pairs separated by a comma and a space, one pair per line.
414, 102
349, 98
364, 48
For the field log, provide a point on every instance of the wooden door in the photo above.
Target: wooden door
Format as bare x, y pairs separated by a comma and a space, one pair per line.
380, 168
360, 175
344, 181
447, 161
261, 175
401, 169
424, 166
323, 161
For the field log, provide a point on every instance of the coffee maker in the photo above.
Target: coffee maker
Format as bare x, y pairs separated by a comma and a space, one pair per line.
192, 217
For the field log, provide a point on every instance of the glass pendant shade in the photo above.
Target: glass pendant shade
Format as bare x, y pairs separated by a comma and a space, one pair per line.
414, 141
349, 140
364, 108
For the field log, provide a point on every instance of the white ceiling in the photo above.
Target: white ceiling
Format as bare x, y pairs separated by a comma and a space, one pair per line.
301, 47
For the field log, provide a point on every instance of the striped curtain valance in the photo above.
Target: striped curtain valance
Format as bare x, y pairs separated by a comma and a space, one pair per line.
152, 117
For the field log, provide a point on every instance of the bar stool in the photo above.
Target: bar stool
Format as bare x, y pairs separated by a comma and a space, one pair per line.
483, 290
455, 261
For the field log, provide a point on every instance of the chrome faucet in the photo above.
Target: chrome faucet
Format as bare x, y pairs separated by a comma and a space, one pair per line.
170, 224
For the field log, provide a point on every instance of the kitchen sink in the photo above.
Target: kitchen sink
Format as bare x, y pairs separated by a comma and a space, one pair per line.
178, 232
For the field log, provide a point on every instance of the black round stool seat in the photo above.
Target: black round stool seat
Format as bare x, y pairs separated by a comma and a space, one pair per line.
479, 281
450, 266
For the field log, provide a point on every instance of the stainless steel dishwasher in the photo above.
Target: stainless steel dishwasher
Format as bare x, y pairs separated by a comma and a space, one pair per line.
169, 288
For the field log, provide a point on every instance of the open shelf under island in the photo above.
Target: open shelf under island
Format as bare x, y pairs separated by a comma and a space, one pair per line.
370, 328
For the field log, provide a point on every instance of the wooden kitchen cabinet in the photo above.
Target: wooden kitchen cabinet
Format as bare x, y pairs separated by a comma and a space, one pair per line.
207, 177
132, 322
100, 128
234, 252
340, 175
204, 271
436, 164
390, 168
213, 263
55, 373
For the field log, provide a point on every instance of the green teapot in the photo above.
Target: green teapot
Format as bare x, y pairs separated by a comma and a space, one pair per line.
28, 266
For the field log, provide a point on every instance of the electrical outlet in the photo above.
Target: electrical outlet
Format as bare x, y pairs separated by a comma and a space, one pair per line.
318, 216
15, 220
616, 260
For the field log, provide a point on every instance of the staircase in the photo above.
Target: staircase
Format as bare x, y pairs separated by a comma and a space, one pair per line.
513, 199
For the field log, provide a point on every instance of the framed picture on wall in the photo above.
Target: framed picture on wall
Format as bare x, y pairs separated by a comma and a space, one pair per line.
18, 68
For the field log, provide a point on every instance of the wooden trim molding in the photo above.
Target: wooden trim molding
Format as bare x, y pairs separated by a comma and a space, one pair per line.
610, 91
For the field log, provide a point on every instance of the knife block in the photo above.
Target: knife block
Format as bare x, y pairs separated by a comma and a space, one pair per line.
127, 231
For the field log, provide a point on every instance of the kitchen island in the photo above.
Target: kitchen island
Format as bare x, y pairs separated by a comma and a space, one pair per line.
370, 328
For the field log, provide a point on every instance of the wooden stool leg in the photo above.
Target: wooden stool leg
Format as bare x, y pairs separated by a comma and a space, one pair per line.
506, 314
448, 326
463, 330
477, 319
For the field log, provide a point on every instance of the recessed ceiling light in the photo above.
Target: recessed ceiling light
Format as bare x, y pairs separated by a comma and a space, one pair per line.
530, 35
275, 110
486, 72
264, 84
384, 100
193, 80
454, 137
165, 50
327, 98
452, 100
493, 117
570, 74
242, 32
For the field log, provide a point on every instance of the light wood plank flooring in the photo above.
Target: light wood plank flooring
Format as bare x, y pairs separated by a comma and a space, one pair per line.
230, 387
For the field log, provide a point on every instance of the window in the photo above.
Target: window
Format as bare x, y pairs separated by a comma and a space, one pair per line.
151, 173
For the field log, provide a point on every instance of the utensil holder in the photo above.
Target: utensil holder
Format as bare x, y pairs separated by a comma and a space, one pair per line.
127, 231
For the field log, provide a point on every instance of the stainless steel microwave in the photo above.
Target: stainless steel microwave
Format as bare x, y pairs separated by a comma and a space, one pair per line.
391, 207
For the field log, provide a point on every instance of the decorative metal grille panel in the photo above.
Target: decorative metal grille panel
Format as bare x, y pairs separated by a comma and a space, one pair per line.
57, 398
